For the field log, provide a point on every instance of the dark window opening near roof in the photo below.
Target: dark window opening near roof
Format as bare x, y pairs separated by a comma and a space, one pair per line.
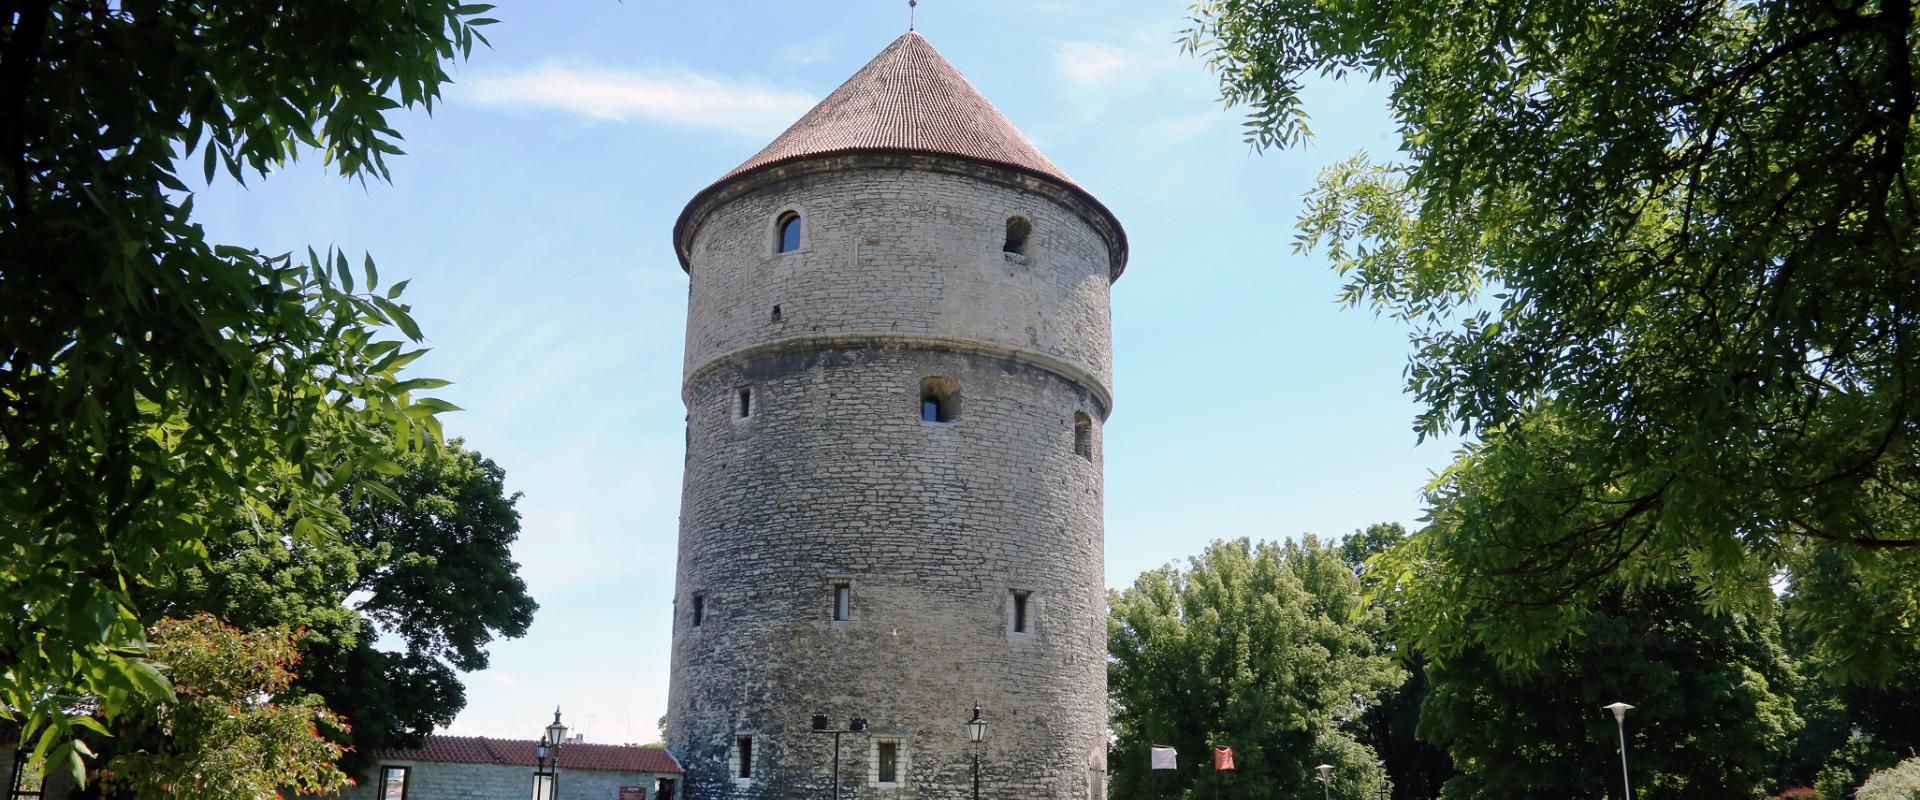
745, 745
1018, 230
789, 227
1020, 612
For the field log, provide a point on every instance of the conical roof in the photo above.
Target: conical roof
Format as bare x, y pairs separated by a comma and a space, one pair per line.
909, 98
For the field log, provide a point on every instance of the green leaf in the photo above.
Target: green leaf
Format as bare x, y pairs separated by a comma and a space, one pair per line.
414, 384
148, 680
436, 405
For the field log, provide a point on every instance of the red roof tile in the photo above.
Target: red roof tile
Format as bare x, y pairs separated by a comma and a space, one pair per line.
909, 98
519, 752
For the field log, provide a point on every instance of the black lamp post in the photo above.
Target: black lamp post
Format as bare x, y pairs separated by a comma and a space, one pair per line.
546, 776
855, 725
976, 733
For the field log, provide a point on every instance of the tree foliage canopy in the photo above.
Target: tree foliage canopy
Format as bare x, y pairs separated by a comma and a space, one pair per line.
222, 734
1658, 259
433, 568
153, 381
1711, 710
1264, 648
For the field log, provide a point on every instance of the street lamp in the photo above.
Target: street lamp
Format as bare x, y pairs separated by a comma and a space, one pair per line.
976, 733
546, 775
1620, 718
855, 725
1326, 780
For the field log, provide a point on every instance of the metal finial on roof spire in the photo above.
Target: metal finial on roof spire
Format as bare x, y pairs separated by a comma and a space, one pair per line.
912, 7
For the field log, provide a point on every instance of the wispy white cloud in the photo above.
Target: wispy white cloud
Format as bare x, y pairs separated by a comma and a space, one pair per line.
682, 98
798, 54
1096, 65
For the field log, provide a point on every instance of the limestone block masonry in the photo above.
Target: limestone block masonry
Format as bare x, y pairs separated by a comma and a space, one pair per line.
969, 551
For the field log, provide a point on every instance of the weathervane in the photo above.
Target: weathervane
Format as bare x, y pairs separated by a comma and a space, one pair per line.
912, 7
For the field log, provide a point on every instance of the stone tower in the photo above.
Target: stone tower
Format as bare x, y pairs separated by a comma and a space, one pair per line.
897, 368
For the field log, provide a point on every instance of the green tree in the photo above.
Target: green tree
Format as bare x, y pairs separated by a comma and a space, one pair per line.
1264, 648
432, 568
1709, 720
1658, 262
153, 381
221, 735
1418, 769
1850, 764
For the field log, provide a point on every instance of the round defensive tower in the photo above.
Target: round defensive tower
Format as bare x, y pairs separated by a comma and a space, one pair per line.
898, 364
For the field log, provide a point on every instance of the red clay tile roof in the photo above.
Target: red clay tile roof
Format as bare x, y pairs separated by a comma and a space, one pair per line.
519, 752
908, 98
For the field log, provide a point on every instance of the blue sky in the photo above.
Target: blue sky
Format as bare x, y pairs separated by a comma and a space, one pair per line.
533, 215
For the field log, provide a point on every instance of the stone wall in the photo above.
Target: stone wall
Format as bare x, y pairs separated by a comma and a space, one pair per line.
901, 251
440, 781
833, 477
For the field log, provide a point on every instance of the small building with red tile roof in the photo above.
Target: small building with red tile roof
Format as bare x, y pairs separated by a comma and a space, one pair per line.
480, 768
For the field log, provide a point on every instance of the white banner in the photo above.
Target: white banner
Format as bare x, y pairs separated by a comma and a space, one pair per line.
1163, 757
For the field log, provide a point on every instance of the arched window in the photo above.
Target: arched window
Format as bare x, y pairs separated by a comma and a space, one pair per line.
789, 232
1018, 230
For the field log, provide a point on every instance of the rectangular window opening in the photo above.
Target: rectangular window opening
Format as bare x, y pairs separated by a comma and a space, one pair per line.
939, 400
743, 407
393, 782
842, 601
1020, 611
27, 781
889, 761
745, 747
699, 609
1083, 436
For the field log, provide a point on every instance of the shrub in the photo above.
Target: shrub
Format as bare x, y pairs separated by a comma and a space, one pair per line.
1898, 782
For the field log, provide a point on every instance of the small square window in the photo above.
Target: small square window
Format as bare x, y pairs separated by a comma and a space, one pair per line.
939, 400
